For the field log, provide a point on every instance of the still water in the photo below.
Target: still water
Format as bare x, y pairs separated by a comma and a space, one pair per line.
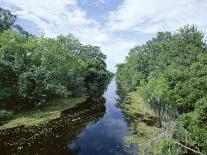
105, 137
89, 129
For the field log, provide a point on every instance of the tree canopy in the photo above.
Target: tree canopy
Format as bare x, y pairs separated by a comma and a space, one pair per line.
173, 69
36, 69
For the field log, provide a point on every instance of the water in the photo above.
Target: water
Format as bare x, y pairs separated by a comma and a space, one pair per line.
105, 137
89, 129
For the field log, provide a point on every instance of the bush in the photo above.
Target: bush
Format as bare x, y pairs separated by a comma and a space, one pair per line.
5, 115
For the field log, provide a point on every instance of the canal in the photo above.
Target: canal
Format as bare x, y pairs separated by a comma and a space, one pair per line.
92, 128
105, 137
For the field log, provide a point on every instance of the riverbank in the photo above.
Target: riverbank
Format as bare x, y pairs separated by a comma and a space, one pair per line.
142, 122
52, 136
43, 114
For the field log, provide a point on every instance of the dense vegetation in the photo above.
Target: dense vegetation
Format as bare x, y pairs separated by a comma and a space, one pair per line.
35, 69
171, 71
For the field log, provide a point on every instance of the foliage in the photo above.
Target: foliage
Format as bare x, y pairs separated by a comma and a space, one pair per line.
166, 146
7, 20
171, 70
37, 69
41, 115
5, 115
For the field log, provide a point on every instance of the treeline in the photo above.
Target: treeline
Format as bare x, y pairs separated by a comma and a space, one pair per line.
35, 69
171, 69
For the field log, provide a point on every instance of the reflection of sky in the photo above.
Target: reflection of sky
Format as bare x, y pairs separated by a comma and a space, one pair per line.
105, 137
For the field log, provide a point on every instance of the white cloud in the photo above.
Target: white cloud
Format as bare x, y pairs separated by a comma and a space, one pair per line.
150, 16
140, 17
116, 50
102, 1
59, 17
64, 17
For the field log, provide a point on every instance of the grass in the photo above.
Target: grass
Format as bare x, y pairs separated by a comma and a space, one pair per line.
136, 111
137, 105
43, 114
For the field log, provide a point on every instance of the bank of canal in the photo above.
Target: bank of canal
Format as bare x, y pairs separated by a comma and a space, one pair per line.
90, 129
105, 137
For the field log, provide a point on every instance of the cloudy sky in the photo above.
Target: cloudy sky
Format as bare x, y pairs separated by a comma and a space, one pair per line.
114, 25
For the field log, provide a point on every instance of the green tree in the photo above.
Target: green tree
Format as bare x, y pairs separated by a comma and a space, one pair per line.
171, 69
7, 19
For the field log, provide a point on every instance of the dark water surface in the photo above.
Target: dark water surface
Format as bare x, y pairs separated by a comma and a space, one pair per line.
105, 136
90, 129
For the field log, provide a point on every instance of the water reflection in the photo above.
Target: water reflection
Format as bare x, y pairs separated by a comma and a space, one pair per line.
105, 136
90, 129
51, 138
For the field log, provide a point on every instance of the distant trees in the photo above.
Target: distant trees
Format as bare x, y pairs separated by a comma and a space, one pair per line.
7, 19
173, 68
34, 69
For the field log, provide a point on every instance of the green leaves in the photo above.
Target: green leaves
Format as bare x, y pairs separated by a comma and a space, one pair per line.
7, 20
34, 69
173, 69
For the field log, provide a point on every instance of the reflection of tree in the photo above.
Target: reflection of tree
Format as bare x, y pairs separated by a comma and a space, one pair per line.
51, 138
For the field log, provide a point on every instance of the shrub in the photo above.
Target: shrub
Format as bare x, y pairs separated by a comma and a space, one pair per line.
5, 115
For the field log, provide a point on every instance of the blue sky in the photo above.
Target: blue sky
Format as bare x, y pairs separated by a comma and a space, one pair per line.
114, 25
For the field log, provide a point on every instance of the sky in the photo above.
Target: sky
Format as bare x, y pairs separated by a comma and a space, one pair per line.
114, 25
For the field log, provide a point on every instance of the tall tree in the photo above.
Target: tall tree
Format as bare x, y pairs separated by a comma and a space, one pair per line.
7, 19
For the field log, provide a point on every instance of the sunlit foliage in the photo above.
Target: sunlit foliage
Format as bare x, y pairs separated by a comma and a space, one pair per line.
35, 69
172, 68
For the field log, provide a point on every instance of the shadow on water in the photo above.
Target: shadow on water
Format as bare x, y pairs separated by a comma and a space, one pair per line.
51, 138
89, 129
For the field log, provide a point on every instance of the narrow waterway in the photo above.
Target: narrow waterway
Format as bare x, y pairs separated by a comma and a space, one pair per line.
105, 137
91, 128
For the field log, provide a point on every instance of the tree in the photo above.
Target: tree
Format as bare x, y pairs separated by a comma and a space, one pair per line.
7, 19
37, 69
171, 68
